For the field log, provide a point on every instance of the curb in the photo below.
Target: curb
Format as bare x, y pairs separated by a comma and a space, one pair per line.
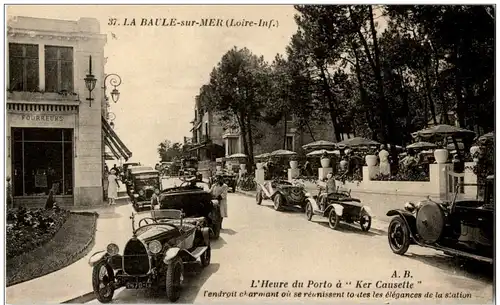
84, 298
377, 224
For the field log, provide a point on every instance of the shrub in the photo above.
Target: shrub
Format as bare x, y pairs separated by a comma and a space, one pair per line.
29, 229
247, 183
404, 176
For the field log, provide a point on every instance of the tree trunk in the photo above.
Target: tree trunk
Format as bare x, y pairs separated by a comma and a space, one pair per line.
428, 90
243, 130
250, 144
284, 131
330, 101
310, 131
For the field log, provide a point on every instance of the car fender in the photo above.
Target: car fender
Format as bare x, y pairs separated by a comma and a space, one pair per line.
170, 254
339, 209
367, 210
206, 235
408, 217
98, 257
313, 202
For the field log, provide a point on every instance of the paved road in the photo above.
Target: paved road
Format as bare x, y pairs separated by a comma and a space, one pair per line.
259, 244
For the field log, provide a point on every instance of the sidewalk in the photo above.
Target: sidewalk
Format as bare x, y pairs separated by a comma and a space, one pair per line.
113, 225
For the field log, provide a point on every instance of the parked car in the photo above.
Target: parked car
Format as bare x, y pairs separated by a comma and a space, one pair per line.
144, 182
194, 199
283, 193
189, 168
126, 166
230, 179
462, 228
153, 257
339, 206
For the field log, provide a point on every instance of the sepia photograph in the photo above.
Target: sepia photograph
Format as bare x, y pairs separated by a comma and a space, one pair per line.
281, 153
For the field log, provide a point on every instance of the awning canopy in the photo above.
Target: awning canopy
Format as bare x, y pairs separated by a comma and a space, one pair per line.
108, 156
113, 142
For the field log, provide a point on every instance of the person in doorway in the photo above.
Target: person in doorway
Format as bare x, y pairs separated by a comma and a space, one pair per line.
219, 192
113, 186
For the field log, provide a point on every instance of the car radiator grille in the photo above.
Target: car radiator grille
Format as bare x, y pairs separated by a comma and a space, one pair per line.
149, 193
135, 258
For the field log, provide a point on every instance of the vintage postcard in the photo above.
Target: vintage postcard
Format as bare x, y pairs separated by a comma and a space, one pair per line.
250, 153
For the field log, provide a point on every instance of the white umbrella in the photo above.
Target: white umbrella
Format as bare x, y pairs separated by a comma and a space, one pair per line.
262, 156
422, 145
357, 141
322, 144
283, 152
235, 156
321, 152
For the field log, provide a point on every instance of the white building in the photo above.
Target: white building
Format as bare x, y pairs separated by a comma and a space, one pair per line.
56, 138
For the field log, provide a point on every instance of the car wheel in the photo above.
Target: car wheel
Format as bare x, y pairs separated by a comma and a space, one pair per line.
206, 256
258, 197
174, 279
333, 219
398, 235
365, 222
103, 282
278, 202
309, 211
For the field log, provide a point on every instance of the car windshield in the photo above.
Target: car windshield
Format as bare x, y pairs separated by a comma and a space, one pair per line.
142, 182
190, 163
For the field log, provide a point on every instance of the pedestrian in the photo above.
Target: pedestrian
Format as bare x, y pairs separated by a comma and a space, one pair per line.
117, 171
113, 186
219, 192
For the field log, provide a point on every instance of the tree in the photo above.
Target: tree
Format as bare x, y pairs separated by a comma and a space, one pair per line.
239, 86
169, 151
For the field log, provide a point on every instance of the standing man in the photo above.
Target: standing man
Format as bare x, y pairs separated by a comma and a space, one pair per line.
219, 192
117, 171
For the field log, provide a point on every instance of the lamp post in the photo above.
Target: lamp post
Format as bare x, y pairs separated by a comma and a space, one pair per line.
90, 82
114, 81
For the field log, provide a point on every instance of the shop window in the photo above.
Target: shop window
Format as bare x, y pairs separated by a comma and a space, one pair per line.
58, 69
23, 67
42, 160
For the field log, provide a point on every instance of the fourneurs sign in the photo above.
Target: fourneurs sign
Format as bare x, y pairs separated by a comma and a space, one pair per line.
43, 117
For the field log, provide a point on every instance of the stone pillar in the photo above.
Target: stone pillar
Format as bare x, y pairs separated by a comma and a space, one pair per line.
259, 176
439, 179
370, 172
293, 173
323, 171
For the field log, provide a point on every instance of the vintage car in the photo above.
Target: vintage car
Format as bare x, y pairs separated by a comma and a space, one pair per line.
194, 198
339, 206
144, 182
230, 179
189, 168
126, 166
154, 257
463, 228
283, 193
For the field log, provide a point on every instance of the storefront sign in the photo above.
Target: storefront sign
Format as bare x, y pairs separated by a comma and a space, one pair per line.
46, 118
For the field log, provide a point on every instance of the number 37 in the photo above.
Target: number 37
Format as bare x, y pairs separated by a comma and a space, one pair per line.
112, 21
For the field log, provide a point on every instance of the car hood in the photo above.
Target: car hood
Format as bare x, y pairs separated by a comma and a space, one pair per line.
158, 232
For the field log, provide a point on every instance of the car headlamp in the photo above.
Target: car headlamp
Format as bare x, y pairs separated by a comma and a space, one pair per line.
410, 206
154, 247
112, 249
157, 191
141, 192
308, 194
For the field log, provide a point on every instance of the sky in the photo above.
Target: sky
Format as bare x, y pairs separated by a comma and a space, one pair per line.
162, 68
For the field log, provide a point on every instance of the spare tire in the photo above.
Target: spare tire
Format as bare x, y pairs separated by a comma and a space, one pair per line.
430, 222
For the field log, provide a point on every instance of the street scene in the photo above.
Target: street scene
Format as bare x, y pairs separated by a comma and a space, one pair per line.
350, 158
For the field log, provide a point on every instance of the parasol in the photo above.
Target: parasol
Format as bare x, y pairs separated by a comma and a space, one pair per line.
484, 139
443, 129
321, 152
236, 156
262, 156
322, 144
282, 152
421, 145
358, 141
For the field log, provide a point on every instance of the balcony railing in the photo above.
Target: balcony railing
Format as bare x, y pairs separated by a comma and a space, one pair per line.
29, 96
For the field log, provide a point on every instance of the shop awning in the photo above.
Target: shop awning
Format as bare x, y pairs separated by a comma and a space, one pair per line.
113, 142
109, 156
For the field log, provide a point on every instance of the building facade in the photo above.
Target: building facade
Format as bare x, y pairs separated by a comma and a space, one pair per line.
56, 138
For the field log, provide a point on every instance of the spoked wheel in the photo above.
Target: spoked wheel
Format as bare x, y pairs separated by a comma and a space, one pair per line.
258, 197
174, 279
365, 222
309, 211
398, 235
206, 256
103, 282
333, 219
278, 202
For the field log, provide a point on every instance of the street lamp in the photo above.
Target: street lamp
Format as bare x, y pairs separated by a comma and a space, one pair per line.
115, 81
90, 82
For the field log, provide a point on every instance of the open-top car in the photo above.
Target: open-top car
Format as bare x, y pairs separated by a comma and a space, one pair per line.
339, 206
283, 193
144, 182
463, 228
189, 168
194, 198
154, 257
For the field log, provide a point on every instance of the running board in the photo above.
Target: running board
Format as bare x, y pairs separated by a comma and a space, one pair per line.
198, 252
462, 253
